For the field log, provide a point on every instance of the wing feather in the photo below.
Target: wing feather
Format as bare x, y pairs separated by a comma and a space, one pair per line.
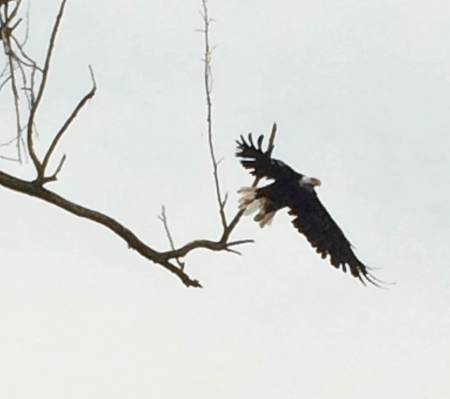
313, 220
259, 162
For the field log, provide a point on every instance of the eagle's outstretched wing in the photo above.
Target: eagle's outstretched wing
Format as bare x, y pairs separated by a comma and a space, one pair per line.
259, 162
322, 232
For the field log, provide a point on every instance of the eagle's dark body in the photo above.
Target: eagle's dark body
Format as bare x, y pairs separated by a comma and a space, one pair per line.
296, 192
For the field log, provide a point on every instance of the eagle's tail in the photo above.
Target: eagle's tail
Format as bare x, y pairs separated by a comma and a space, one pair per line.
250, 202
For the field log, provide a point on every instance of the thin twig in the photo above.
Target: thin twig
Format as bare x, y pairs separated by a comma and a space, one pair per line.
7, 36
202, 244
15, 92
11, 159
165, 222
3, 84
67, 123
4, 70
208, 89
32, 63
54, 176
43, 83
9, 142
9, 17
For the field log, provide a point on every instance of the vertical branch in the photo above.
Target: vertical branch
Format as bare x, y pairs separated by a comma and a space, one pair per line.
40, 92
15, 96
5, 37
208, 89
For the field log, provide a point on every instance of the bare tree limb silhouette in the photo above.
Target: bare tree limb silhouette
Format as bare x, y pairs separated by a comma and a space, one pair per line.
28, 82
207, 60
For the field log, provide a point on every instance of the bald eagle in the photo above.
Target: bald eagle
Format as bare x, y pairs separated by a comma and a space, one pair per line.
296, 192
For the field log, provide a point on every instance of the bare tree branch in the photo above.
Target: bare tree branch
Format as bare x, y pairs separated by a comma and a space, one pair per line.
5, 37
28, 83
16, 101
23, 72
36, 190
165, 222
208, 89
6, 158
40, 171
67, 123
223, 243
54, 176
10, 16
31, 63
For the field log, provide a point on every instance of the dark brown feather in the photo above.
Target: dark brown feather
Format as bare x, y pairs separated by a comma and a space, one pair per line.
322, 232
260, 163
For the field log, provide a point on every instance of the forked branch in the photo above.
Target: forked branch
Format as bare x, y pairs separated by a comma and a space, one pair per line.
169, 260
37, 191
67, 123
37, 99
223, 244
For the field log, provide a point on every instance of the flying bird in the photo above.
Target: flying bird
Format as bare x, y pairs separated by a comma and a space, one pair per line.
296, 192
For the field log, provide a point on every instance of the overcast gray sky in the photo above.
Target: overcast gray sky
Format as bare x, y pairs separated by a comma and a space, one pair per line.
361, 94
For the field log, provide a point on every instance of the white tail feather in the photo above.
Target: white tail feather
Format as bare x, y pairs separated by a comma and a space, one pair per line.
248, 195
250, 204
253, 206
267, 219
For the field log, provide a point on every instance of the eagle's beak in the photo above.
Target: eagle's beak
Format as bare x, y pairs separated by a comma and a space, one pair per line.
315, 182
310, 182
